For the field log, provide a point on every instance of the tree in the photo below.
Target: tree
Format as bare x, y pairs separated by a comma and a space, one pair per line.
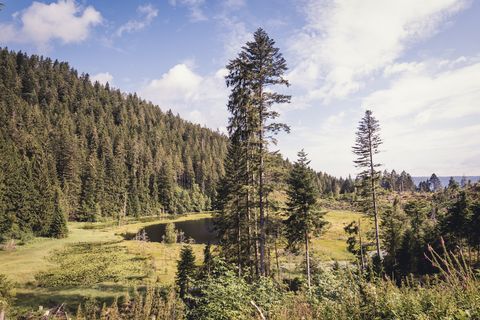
393, 225
258, 67
185, 270
367, 145
170, 233
58, 229
452, 184
303, 216
207, 258
435, 183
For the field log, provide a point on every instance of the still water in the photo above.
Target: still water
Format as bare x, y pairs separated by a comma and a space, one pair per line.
201, 230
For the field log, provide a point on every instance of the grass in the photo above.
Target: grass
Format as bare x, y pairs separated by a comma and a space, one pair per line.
331, 245
54, 256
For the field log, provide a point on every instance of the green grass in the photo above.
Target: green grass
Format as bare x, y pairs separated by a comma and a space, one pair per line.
68, 256
331, 245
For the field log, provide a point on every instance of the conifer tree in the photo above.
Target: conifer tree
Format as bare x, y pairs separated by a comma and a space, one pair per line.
304, 218
185, 270
252, 75
367, 145
207, 258
393, 225
435, 183
58, 229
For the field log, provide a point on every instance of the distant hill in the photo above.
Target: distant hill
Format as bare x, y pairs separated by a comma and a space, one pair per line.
111, 154
445, 179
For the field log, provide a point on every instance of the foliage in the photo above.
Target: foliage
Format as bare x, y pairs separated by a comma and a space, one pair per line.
226, 296
58, 229
242, 222
112, 154
303, 216
170, 233
84, 264
185, 270
367, 145
6, 292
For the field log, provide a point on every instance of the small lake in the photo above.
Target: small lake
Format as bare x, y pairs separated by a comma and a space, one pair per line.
200, 230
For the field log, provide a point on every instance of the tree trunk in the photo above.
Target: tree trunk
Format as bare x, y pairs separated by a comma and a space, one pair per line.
261, 204
276, 258
239, 241
2, 314
307, 259
374, 197
261, 183
361, 245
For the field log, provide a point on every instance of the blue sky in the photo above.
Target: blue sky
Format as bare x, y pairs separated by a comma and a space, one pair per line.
416, 64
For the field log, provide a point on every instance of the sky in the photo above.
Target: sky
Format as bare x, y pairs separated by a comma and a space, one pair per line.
415, 64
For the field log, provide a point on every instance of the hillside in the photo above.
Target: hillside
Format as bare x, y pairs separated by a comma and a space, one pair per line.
108, 153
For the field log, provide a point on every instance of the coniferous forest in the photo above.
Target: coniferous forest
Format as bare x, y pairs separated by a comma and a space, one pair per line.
112, 208
108, 154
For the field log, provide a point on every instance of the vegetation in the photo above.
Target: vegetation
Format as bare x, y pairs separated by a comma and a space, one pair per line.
366, 146
304, 218
112, 155
85, 168
185, 270
242, 220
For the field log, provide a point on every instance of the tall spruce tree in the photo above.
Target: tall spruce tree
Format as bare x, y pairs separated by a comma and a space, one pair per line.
304, 218
185, 270
366, 146
252, 75
58, 228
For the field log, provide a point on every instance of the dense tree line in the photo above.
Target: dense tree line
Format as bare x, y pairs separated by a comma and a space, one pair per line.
108, 153
397, 182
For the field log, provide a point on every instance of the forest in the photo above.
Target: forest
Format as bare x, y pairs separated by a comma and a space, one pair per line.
83, 161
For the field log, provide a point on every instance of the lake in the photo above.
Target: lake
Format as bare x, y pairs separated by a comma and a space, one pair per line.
200, 230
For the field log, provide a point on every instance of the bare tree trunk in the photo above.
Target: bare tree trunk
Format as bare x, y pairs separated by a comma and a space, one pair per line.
276, 257
261, 185
255, 236
374, 197
307, 259
2, 314
261, 204
361, 245
239, 241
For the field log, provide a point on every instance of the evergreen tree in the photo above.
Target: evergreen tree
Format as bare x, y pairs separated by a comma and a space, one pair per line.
207, 258
393, 225
259, 66
434, 183
58, 229
452, 184
366, 146
303, 216
185, 270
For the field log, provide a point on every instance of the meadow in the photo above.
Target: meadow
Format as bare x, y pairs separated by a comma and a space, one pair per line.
96, 260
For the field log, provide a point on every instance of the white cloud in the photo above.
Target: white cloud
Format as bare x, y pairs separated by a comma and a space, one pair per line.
429, 117
197, 98
429, 95
146, 14
195, 8
102, 77
41, 23
346, 41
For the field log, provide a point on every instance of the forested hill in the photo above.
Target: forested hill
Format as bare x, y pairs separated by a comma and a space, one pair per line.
108, 153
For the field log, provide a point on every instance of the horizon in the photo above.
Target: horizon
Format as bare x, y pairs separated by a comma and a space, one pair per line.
420, 72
